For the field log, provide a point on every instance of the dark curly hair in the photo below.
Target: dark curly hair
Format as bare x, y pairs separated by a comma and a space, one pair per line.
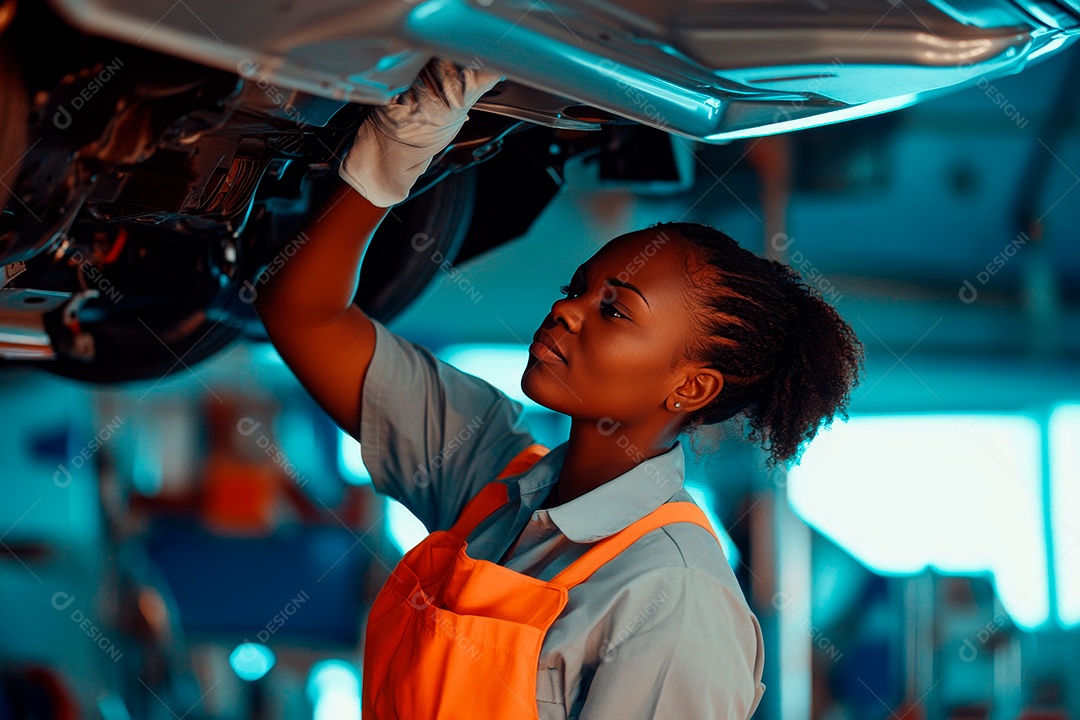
788, 359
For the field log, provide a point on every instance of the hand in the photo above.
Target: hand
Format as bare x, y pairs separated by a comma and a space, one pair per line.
396, 143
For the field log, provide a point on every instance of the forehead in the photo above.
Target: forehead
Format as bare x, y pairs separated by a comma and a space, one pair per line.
644, 254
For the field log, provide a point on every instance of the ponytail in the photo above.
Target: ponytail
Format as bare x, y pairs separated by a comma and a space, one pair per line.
789, 360
818, 365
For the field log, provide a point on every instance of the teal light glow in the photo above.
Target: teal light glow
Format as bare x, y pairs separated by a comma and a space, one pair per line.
960, 493
333, 688
1050, 47
250, 661
1065, 501
350, 464
266, 354
854, 112
704, 500
405, 529
500, 364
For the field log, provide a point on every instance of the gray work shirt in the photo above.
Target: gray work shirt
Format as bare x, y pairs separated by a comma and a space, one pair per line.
660, 631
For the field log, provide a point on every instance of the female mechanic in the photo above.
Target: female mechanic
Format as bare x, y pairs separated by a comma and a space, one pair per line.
579, 581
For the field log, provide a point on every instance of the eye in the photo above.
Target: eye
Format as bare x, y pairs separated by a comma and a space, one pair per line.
609, 309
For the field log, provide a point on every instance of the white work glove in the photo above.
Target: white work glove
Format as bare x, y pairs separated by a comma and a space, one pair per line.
396, 143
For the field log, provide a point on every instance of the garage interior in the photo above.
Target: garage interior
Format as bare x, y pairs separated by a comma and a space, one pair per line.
922, 561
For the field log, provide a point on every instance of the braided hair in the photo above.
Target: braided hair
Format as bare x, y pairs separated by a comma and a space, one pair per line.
788, 359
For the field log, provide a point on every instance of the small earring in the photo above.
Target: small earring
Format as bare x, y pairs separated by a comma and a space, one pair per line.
678, 405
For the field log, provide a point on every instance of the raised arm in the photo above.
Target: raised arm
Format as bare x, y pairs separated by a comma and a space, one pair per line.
307, 306
308, 311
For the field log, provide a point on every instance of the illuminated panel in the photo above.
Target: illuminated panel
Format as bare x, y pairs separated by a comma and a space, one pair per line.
1065, 494
960, 493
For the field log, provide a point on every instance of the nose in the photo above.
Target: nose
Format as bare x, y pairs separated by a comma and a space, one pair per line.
568, 312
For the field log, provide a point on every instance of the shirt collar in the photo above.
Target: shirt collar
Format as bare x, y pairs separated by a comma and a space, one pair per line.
607, 509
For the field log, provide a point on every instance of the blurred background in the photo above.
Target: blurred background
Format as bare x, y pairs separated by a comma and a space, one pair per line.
207, 544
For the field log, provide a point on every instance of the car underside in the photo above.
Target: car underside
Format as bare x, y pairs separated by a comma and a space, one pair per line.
159, 158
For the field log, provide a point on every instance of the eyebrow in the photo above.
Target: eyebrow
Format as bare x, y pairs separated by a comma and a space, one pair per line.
582, 269
620, 283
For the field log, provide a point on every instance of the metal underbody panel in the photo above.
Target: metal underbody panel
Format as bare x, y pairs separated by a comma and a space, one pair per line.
712, 71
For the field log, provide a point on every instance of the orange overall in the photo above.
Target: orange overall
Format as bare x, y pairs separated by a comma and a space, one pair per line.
450, 636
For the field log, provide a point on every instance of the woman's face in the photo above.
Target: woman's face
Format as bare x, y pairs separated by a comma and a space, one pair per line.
617, 329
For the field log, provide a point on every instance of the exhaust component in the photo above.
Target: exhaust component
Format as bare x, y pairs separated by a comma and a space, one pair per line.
22, 323
23, 332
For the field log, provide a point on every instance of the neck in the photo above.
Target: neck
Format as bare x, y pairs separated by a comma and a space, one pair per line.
599, 452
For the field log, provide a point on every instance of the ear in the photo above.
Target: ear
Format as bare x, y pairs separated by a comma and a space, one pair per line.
698, 390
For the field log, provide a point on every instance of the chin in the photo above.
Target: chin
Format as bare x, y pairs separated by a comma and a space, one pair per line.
543, 389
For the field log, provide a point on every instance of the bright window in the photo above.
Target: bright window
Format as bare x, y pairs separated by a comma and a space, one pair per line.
960, 493
1065, 494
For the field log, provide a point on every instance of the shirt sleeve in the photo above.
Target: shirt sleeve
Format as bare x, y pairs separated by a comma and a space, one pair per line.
693, 650
433, 436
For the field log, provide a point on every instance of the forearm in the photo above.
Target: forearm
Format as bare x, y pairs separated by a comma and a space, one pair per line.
318, 281
392, 147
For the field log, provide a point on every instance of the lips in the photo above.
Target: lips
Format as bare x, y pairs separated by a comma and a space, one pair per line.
547, 341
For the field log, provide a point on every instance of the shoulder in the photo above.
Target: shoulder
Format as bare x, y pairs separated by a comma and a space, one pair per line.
679, 546
671, 601
678, 628
680, 560
677, 579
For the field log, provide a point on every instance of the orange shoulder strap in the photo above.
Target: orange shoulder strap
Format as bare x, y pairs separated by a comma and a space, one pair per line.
493, 495
607, 548
523, 460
